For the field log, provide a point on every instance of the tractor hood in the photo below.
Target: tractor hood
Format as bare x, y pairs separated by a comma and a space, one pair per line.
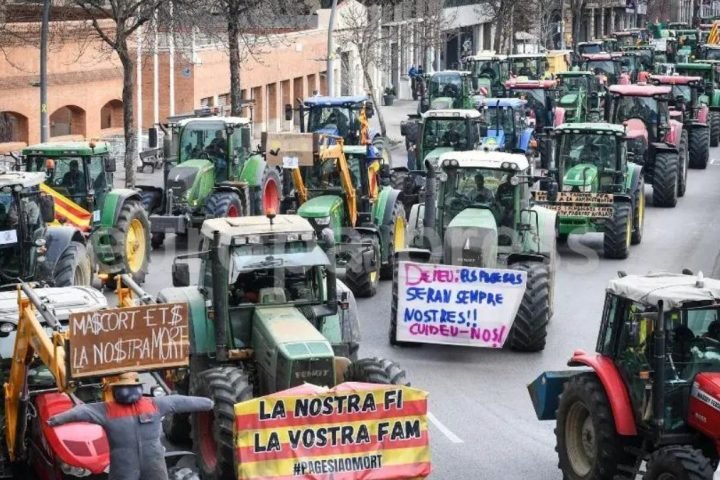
318, 207
442, 103
190, 180
582, 175
636, 129
495, 140
568, 100
434, 155
471, 239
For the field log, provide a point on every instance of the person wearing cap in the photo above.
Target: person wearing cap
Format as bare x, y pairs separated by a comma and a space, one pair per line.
133, 425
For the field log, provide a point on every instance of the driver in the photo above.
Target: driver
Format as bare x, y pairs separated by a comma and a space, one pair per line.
487, 71
72, 180
218, 144
590, 153
484, 194
525, 70
504, 199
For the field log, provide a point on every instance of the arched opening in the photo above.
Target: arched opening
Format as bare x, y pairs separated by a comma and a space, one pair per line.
13, 127
111, 114
67, 120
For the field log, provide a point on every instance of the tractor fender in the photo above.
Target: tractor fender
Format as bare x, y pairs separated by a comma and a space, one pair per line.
57, 240
622, 198
635, 174
202, 328
368, 231
702, 114
558, 116
715, 104
714, 108
157, 196
696, 124
525, 257
253, 170
662, 147
114, 201
524, 140
417, 255
547, 220
384, 206
614, 387
675, 132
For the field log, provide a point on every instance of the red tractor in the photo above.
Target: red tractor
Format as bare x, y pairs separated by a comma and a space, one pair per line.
655, 140
684, 98
651, 393
540, 95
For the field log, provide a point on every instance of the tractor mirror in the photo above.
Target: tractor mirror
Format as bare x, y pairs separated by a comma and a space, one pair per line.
47, 208
369, 110
109, 164
181, 275
288, 112
245, 139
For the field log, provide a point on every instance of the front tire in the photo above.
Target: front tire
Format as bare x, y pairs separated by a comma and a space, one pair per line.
665, 178
212, 432
683, 164
714, 129
529, 330
376, 370
361, 280
270, 191
639, 213
699, 148
678, 463
396, 240
618, 232
74, 267
224, 204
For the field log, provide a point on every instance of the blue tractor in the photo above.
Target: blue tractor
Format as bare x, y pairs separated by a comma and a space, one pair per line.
504, 126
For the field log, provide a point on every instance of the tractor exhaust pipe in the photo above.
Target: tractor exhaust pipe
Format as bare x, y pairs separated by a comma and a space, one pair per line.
220, 299
429, 213
328, 239
659, 382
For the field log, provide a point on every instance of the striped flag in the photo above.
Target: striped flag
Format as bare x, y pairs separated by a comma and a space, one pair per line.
67, 211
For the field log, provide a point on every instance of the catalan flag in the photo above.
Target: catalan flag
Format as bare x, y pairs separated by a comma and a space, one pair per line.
67, 211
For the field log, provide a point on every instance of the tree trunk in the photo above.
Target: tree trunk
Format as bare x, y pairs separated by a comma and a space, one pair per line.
128, 111
378, 110
235, 64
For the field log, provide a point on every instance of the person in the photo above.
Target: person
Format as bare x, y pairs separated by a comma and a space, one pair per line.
484, 194
525, 70
487, 71
420, 70
547, 75
451, 135
504, 201
218, 144
133, 425
412, 73
601, 77
72, 179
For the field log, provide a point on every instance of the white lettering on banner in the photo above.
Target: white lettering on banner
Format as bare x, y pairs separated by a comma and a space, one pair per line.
291, 162
8, 237
455, 305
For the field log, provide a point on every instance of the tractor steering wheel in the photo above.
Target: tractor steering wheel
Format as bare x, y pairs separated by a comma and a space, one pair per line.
204, 155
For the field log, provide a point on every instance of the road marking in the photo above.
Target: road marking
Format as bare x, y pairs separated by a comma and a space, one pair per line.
445, 431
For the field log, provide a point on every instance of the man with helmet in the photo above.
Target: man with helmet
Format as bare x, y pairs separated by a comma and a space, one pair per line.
133, 425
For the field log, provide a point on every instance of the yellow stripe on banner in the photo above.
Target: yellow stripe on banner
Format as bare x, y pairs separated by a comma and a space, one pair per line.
64, 207
246, 438
79, 222
271, 468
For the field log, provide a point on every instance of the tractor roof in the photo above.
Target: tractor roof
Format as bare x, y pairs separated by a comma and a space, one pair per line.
65, 148
576, 73
703, 65
597, 56
598, 127
527, 55
530, 84
640, 90
503, 103
452, 113
214, 120
24, 179
237, 227
61, 301
486, 55
323, 101
592, 42
461, 73
490, 160
674, 290
675, 79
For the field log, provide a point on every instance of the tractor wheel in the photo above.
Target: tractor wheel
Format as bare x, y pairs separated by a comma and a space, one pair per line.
212, 432
639, 213
131, 240
714, 129
588, 446
74, 267
397, 179
678, 463
562, 238
224, 204
271, 191
157, 239
396, 239
151, 200
362, 282
376, 370
529, 330
683, 163
618, 232
176, 426
699, 147
665, 178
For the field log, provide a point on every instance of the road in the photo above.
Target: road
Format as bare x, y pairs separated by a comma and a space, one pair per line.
482, 423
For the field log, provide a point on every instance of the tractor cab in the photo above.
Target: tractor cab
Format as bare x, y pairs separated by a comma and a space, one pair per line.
685, 94
504, 126
595, 46
630, 38
447, 89
540, 98
709, 52
645, 54
578, 93
339, 116
664, 50
532, 66
609, 45
602, 64
487, 71
687, 43
644, 108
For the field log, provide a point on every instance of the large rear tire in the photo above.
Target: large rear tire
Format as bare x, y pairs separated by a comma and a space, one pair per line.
714, 129
529, 330
131, 240
224, 204
271, 191
396, 239
683, 164
74, 267
212, 432
678, 463
376, 370
665, 178
618, 232
699, 147
360, 280
639, 212
588, 446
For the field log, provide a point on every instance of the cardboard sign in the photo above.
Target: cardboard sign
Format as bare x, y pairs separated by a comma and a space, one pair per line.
353, 431
146, 337
576, 197
588, 211
454, 305
278, 146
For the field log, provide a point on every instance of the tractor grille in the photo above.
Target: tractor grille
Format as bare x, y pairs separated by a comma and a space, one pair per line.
317, 371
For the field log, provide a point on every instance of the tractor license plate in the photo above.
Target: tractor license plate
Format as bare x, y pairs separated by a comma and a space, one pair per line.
587, 211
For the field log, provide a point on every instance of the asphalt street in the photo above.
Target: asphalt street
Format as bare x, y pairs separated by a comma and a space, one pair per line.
482, 422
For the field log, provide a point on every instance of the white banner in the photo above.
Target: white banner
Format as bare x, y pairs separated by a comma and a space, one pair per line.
456, 305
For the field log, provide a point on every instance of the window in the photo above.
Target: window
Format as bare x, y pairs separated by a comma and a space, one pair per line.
207, 102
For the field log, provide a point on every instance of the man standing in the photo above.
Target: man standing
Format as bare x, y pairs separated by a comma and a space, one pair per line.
412, 73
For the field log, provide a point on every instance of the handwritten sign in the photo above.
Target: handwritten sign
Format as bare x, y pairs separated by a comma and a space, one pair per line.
456, 305
576, 197
138, 338
290, 162
355, 430
588, 211
278, 146
8, 237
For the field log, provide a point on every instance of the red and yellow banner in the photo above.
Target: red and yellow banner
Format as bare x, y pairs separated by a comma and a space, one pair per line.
68, 211
357, 431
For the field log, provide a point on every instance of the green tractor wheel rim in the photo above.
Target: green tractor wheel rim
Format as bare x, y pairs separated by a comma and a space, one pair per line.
399, 233
135, 245
580, 439
641, 210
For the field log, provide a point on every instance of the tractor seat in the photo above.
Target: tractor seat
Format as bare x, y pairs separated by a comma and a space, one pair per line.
272, 295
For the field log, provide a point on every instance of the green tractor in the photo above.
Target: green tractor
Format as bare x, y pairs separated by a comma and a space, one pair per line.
711, 96
267, 314
481, 217
447, 89
79, 177
579, 94
488, 70
30, 249
596, 188
210, 171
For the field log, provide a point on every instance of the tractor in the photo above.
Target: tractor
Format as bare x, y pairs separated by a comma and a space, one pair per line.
655, 140
594, 46
540, 98
481, 217
709, 52
578, 93
630, 66
79, 178
687, 43
342, 191
602, 63
707, 69
649, 396
210, 171
32, 249
646, 53
447, 89
488, 70
268, 315
596, 188
630, 38
504, 126
529, 65
684, 98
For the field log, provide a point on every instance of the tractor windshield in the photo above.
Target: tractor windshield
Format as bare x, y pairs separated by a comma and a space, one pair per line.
446, 85
444, 132
682, 91
335, 120
608, 67
525, 67
712, 53
206, 140
590, 48
20, 219
278, 283
644, 108
588, 148
499, 118
73, 176
694, 345
573, 83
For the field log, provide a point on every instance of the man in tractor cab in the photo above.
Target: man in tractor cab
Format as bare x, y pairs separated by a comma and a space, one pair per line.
72, 180
505, 202
483, 194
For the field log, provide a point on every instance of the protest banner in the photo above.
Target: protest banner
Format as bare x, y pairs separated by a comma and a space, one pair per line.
140, 338
455, 305
352, 431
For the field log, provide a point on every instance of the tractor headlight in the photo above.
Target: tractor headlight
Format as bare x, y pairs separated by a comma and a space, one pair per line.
157, 391
586, 188
567, 188
7, 327
74, 471
322, 221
